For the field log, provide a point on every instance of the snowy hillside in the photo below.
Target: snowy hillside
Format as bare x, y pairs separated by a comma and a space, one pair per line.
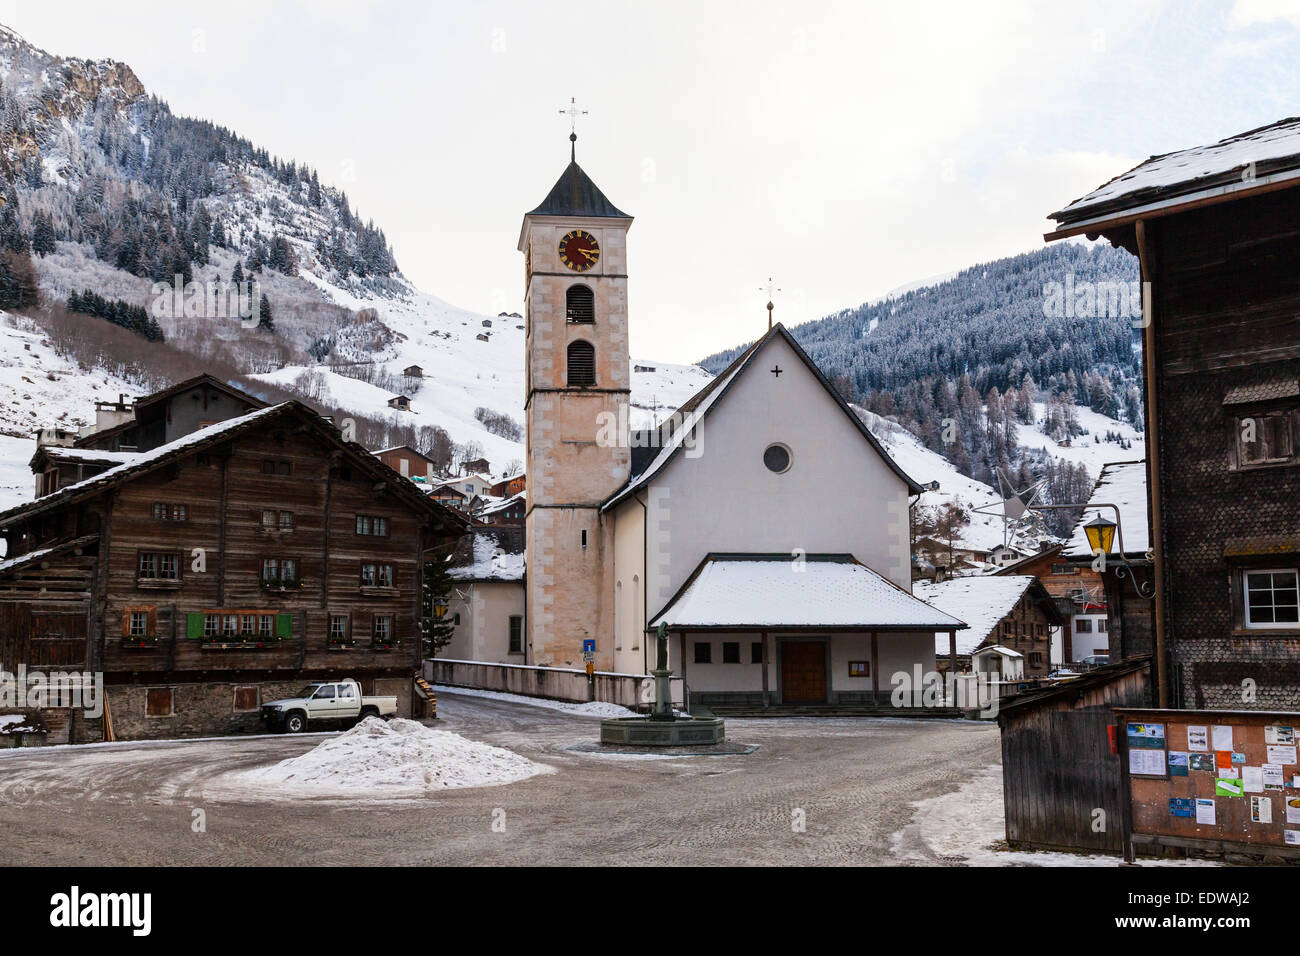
925, 466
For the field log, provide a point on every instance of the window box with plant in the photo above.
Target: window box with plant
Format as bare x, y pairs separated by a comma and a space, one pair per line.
340, 634
383, 636
238, 630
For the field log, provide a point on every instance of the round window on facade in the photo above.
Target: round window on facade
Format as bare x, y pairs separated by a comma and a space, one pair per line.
777, 458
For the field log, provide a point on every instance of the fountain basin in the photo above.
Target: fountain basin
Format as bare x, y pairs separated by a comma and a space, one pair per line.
645, 732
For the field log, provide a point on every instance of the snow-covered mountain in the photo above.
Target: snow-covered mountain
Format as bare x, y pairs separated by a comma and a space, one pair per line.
107, 190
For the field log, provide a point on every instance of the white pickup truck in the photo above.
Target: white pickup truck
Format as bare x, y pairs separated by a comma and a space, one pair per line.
325, 702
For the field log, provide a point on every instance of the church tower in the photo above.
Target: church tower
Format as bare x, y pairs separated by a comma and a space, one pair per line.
577, 378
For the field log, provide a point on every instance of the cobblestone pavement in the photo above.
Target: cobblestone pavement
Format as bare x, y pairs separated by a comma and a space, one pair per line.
852, 778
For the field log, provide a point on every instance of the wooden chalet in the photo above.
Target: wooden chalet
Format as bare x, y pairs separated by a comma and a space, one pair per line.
408, 462
224, 568
1077, 590
509, 487
1214, 229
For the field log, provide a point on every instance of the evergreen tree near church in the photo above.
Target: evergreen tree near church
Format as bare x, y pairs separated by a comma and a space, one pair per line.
435, 596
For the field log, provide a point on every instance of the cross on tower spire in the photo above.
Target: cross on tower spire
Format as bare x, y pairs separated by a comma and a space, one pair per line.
771, 291
573, 113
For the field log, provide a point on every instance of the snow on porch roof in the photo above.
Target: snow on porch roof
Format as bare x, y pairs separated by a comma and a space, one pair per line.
759, 591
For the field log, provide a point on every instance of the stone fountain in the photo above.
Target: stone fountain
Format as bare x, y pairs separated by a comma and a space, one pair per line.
662, 728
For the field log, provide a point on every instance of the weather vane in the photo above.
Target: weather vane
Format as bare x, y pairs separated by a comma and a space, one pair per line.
771, 291
573, 113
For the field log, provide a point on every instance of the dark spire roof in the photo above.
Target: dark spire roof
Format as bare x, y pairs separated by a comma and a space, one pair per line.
574, 194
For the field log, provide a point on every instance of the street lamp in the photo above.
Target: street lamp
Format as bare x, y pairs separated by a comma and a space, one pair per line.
1101, 535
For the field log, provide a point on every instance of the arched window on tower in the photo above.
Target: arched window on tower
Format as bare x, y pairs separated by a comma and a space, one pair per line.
582, 363
580, 305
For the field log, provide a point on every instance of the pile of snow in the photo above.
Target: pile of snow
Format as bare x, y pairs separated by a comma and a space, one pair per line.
594, 708
15, 724
395, 758
968, 826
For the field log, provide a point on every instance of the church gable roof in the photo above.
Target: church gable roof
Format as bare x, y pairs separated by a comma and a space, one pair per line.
574, 194
689, 415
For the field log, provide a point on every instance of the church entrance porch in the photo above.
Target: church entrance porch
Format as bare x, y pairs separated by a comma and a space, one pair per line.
754, 633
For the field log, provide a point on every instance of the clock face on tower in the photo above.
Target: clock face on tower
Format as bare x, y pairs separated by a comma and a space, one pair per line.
579, 250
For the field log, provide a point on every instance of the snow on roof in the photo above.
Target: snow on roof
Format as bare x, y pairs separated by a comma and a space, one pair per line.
31, 557
146, 457
1187, 171
61, 453
1123, 484
999, 649
490, 561
500, 504
982, 602
832, 590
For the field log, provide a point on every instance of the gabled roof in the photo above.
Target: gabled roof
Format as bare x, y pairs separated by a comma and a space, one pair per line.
828, 591
146, 462
671, 440
574, 194
1014, 568
197, 380
1251, 162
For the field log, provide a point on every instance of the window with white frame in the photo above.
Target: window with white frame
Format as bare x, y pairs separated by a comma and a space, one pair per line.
1272, 598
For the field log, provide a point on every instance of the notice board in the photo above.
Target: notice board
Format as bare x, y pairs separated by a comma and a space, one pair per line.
1212, 777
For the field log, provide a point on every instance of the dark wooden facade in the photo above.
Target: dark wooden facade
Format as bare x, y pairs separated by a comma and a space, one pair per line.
1070, 585
162, 573
1226, 334
1058, 768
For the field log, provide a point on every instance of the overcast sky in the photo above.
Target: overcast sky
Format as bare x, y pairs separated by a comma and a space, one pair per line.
845, 149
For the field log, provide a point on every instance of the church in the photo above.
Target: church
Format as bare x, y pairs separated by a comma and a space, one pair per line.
762, 523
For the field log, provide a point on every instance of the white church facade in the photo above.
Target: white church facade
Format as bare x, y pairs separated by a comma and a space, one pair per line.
762, 523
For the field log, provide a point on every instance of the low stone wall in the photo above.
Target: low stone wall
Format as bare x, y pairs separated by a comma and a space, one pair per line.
634, 691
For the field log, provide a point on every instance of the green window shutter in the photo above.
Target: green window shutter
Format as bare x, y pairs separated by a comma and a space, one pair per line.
284, 625
193, 625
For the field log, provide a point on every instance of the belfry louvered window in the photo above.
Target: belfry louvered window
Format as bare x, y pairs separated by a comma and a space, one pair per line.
582, 363
580, 305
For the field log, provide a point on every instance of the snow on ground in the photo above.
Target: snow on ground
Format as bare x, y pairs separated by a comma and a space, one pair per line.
40, 388
593, 708
968, 825
1087, 449
17, 486
394, 758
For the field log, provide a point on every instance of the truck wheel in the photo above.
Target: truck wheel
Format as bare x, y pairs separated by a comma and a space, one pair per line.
368, 712
295, 723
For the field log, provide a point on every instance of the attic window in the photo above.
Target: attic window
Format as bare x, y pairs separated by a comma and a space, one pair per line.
582, 363
580, 304
777, 458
